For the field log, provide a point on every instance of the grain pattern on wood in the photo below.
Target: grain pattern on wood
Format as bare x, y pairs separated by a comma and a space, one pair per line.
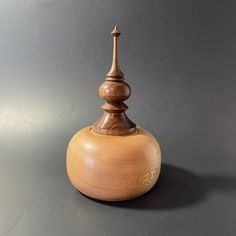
113, 168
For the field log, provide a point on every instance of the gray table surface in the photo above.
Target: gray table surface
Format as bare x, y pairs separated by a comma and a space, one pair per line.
194, 196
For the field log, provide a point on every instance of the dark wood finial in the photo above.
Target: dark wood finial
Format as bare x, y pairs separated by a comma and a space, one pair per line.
114, 91
115, 72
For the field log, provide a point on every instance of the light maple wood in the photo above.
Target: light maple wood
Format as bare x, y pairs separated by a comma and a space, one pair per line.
113, 168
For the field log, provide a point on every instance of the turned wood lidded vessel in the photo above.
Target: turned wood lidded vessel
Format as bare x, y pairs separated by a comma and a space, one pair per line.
113, 159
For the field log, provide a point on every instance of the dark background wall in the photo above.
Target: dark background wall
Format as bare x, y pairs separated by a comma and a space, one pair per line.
179, 58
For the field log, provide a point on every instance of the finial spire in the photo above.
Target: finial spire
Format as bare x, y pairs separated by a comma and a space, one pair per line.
115, 72
114, 90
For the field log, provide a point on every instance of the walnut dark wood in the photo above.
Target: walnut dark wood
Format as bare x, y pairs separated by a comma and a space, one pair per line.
114, 91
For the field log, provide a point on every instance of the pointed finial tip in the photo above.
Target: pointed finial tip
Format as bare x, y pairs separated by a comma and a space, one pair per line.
115, 32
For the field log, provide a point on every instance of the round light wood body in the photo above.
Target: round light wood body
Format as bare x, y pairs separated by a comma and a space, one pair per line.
113, 168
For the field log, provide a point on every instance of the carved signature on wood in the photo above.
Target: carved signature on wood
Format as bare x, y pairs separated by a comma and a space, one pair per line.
145, 177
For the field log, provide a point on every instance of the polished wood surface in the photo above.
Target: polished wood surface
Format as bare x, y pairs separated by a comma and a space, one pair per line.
113, 160
113, 168
115, 73
114, 91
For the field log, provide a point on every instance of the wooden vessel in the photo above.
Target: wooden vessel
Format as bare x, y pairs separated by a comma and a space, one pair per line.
113, 159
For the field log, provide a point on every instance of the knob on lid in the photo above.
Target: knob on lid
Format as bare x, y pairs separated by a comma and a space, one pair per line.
115, 72
114, 91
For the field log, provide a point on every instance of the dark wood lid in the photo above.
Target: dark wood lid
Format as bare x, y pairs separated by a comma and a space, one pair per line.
114, 91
